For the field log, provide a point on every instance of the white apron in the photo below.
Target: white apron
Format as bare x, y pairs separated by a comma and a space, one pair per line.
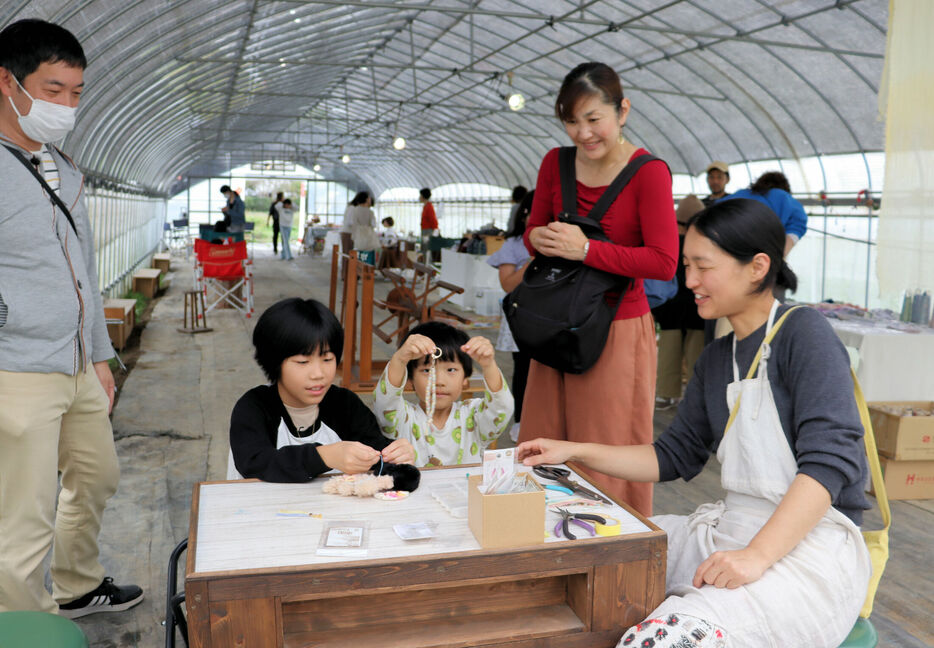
324, 435
812, 596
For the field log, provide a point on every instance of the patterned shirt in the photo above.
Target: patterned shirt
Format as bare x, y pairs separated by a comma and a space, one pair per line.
472, 424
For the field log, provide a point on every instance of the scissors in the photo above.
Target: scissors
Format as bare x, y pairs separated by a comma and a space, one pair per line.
560, 475
576, 518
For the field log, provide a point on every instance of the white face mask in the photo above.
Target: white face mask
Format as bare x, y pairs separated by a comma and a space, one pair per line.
46, 121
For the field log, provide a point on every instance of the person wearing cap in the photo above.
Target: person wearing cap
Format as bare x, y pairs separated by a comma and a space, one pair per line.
718, 177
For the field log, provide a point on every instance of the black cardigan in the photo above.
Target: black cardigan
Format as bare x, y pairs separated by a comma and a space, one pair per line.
254, 425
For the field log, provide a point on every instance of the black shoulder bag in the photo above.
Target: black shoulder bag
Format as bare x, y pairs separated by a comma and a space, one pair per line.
45, 185
561, 313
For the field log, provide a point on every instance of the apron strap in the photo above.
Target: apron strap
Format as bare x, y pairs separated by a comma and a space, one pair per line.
755, 362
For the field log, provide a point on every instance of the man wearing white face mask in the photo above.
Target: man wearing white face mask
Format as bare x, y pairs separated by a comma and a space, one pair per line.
56, 389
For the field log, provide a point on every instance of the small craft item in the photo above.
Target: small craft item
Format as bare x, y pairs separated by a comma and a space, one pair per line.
298, 514
453, 498
415, 530
393, 477
561, 475
499, 470
431, 395
344, 538
391, 495
611, 527
562, 527
577, 501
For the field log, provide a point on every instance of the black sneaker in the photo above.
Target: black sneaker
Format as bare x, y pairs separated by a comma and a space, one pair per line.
106, 598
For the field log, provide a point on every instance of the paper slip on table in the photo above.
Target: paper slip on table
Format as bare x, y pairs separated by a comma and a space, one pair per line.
253, 577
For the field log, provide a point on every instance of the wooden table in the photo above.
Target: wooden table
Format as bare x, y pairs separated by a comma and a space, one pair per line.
253, 577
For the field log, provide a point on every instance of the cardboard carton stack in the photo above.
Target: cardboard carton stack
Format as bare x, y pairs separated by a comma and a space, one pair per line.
905, 437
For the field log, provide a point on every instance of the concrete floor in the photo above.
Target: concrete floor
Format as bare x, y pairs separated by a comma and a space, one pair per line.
171, 428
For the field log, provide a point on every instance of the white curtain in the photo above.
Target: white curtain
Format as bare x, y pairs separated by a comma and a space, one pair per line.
905, 238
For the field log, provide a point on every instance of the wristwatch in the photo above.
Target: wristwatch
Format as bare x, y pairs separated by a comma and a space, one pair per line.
586, 248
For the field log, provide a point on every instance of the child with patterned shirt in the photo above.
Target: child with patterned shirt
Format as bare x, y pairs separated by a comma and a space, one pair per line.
458, 431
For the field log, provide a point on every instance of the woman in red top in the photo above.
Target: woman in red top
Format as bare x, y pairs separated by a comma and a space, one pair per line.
613, 401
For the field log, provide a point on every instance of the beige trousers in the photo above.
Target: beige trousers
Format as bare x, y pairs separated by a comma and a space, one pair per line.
51, 424
611, 403
676, 350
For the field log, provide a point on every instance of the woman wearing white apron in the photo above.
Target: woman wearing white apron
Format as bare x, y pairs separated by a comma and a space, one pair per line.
780, 561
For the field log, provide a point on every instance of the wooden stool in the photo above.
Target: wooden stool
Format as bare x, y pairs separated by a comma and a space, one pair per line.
162, 262
146, 281
194, 307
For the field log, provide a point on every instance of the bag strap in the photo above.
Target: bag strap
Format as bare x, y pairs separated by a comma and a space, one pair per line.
872, 454
45, 185
568, 174
755, 362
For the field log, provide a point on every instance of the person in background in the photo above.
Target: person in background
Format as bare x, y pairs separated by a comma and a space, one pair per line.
365, 240
286, 216
718, 177
511, 260
389, 242
772, 189
429, 223
274, 217
234, 210
56, 388
681, 329
613, 401
780, 560
518, 193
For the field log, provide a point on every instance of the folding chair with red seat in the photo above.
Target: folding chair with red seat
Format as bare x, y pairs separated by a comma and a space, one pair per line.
223, 272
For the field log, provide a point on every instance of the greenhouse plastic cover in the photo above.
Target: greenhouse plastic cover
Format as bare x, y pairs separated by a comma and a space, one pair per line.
195, 87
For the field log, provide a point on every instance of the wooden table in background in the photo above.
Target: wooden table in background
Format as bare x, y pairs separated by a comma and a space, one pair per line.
253, 578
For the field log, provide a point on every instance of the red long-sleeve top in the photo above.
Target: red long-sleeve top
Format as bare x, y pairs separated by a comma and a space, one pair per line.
429, 220
640, 224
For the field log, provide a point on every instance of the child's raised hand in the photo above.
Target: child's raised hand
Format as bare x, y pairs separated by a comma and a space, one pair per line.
480, 349
415, 346
399, 451
350, 457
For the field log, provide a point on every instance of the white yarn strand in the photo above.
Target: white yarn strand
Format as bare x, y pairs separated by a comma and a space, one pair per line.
432, 392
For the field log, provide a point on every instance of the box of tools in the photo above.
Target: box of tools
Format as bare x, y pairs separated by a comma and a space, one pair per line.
511, 519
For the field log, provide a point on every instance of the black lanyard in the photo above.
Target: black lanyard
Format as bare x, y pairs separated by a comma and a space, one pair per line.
58, 201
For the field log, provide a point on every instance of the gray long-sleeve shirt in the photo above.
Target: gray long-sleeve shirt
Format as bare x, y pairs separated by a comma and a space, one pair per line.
51, 312
810, 379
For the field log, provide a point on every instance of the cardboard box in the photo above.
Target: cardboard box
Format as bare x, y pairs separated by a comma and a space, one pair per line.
908, 479
509, 520
903, 438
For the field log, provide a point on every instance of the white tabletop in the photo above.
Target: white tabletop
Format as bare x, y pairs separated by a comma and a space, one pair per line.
240, 526
892, 365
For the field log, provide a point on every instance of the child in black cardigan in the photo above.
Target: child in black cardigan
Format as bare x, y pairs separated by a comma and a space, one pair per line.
300, 425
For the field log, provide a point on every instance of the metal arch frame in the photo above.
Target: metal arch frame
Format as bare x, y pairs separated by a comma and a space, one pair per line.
519, 143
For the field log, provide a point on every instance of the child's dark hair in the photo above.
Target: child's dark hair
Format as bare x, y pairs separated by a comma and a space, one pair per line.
448, 339
287, 201
425, 193
295, 326
26, 44
388, 221
743, 228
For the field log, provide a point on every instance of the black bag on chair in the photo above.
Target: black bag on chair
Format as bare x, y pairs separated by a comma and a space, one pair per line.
561, 313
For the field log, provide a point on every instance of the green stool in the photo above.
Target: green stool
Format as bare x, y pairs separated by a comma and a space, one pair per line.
31, 629
863, 635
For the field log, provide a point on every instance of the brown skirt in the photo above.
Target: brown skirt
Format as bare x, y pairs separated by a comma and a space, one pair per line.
610, 403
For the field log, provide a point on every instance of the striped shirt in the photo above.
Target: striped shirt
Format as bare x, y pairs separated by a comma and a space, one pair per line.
48, 168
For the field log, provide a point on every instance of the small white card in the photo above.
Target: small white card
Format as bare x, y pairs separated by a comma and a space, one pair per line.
344, 538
